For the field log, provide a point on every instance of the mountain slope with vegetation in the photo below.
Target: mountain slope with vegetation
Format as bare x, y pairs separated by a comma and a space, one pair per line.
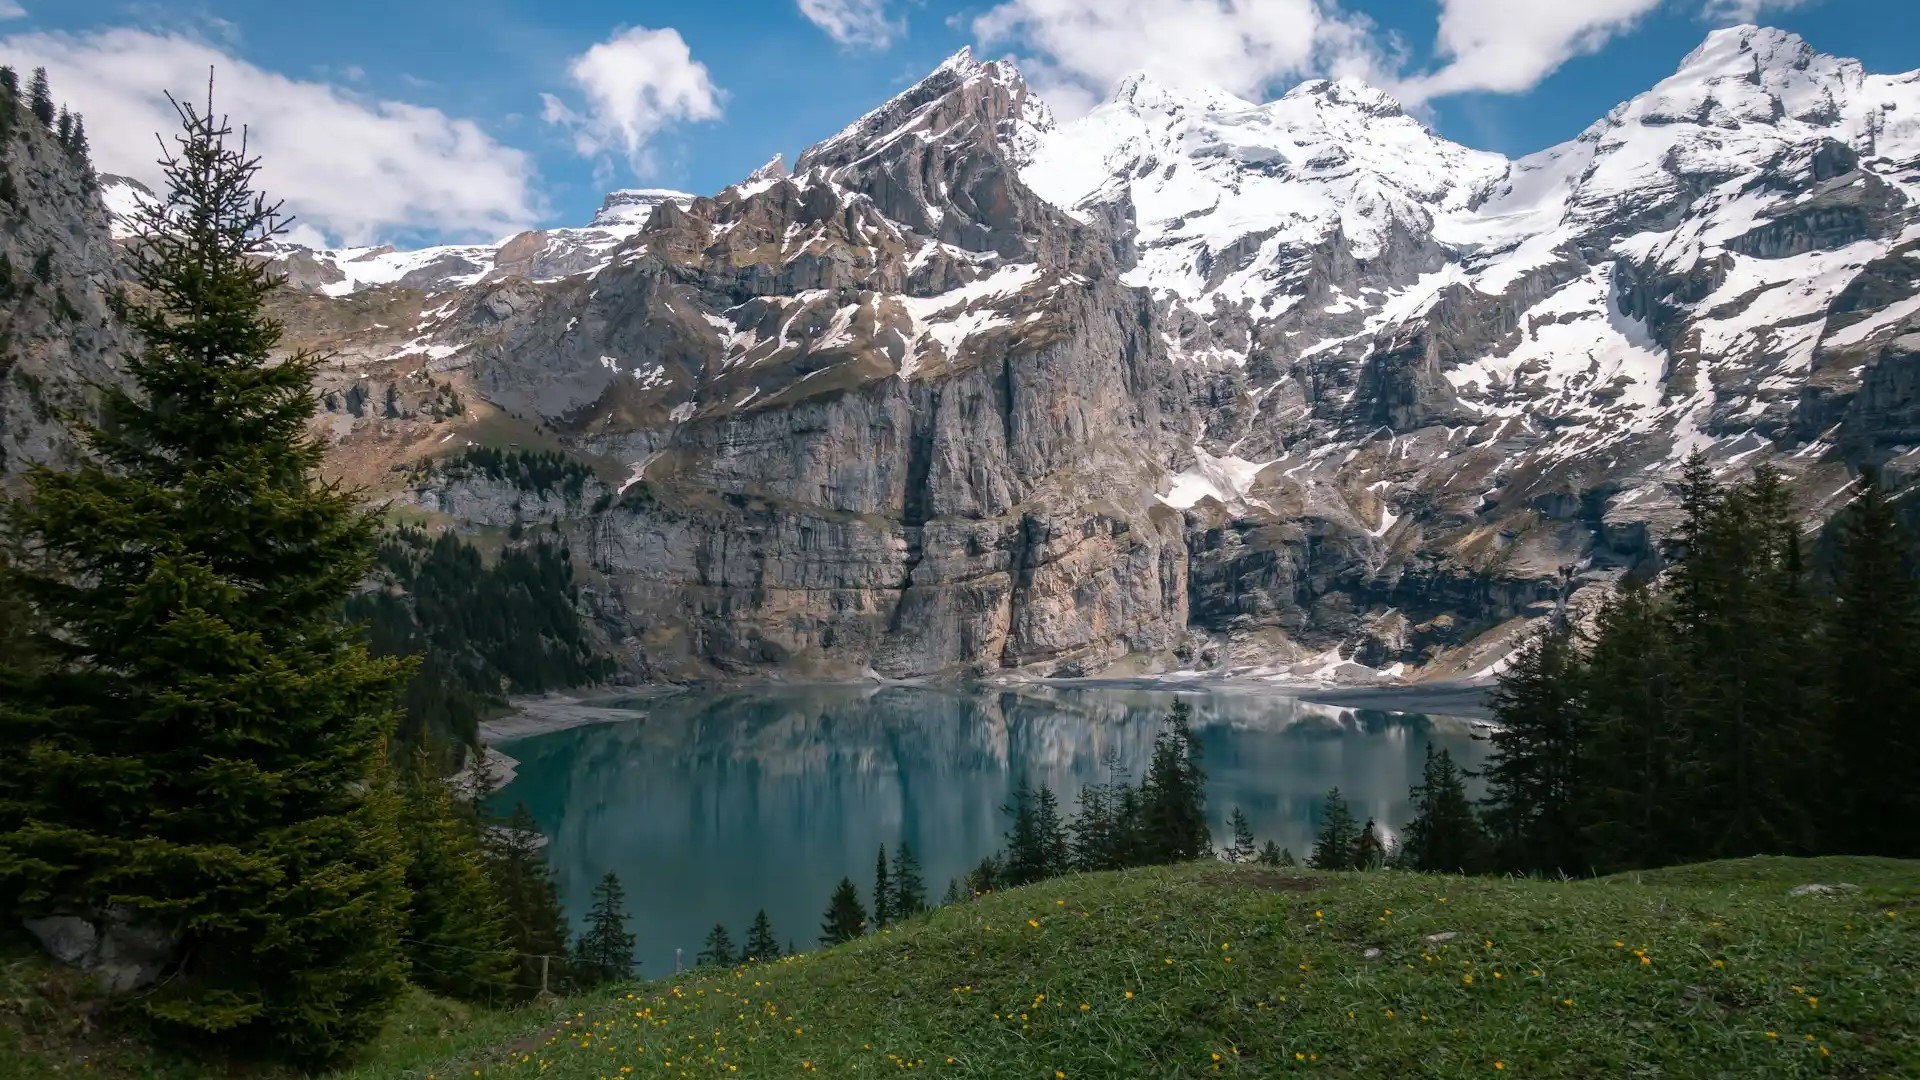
1204, 968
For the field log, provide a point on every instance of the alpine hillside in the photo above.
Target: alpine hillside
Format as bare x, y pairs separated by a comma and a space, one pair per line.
1296, 388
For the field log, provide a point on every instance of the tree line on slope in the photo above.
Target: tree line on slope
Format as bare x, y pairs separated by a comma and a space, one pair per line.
482, 631
68, 129
1759, 701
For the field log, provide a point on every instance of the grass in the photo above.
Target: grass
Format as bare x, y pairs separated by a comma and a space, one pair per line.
1203, 970
1214, 970
52, 1025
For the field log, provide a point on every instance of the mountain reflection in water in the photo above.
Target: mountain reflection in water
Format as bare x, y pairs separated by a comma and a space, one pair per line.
710, 805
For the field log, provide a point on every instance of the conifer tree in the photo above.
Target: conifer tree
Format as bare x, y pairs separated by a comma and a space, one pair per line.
1335, 846
882, 891
1242, 850
16, 637
1027, 845
606, 947
1055, 850
63, 129
1444, 836
9, 80
1748, 678
203, 750
718, 951
1173, 798
953, 894
845, 918
40, 97
909, 887
456, 919
1370, 851
1873, 664
1637, 755
1092, 843
536, 927
762, 947
1532, 811
1129, 832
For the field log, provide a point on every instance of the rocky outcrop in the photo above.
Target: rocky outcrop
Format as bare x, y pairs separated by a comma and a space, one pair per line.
58, 272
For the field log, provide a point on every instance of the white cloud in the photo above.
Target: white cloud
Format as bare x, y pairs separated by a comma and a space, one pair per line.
355, 169
855, 23
1508, 46
9, 9
636, 83
1746, 11
1077, 50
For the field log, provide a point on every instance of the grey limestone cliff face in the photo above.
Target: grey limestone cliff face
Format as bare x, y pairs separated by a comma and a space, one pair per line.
890, 412
58, 270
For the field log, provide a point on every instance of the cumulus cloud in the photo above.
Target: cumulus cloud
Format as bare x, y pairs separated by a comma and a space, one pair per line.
853, 23
636, 84
1746, 11
353, 169
1077, 50
1508, 46
9, 9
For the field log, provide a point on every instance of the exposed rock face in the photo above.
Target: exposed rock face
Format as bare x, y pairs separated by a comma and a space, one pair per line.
58, 268
1191, 381
121, 953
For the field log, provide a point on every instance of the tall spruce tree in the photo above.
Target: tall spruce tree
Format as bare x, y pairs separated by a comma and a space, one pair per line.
40, 99
1638, 757
1093, 840
1873, 683
606, 946
1173, 796
1748, 652
536, 927
1242, 850
718, 950
1444, 836
882, 890
762, 947
845, 918
909, 887
456, 919
1532, 812
203, 750
1335, 846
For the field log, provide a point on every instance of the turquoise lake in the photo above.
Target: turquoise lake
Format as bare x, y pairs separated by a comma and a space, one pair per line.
711, 805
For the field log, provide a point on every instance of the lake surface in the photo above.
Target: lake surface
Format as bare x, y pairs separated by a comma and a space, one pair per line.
712, 805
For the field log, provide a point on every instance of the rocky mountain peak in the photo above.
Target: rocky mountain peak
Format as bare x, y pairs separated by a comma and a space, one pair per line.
963, 101
1141, 91
633, 206
1355, 94
774, 169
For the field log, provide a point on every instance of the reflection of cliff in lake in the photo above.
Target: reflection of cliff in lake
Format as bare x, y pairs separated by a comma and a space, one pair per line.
710, 805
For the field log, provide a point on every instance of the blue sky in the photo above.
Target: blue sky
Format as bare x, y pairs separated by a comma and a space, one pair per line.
420, 120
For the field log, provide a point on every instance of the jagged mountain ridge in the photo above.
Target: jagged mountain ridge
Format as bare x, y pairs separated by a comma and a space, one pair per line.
1195, 381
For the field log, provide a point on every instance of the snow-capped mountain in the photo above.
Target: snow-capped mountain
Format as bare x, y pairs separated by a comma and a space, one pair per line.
1187, 382
539, 255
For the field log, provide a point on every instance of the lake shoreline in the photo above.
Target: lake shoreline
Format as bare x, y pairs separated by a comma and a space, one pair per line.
548, 713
